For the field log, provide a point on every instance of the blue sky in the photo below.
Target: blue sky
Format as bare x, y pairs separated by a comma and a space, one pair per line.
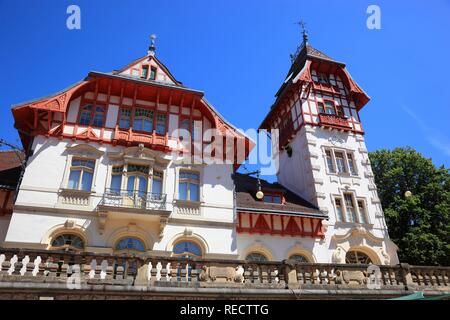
238, 53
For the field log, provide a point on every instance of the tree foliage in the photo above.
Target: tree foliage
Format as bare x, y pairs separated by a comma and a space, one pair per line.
420, 223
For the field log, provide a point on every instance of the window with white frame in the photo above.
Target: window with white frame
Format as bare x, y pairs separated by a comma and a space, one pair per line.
330, 162
349, 209
81, 174
189, 186
136, 179
362, 211
116, 179
340, 162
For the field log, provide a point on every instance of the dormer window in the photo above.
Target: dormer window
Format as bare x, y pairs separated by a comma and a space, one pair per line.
152, 73
273, 198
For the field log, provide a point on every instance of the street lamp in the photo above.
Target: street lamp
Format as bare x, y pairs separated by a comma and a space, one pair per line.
259, 194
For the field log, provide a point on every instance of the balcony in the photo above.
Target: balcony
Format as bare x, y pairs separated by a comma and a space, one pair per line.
334, 121
134, 201
128, 136
31, 273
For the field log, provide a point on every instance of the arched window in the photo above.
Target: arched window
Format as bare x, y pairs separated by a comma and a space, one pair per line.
256, 257
187, 248
68, 241
130, 243
357, 257
299, 258
85, 117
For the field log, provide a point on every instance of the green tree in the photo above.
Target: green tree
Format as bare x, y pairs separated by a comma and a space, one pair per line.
419, 223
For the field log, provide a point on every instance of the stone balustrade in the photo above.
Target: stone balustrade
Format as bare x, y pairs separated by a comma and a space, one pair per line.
59, 271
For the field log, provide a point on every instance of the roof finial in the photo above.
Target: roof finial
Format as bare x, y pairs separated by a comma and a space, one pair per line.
302, 25
152, 48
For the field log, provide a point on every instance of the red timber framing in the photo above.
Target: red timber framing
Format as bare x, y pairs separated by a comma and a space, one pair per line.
305, 91
49, 116
281, 225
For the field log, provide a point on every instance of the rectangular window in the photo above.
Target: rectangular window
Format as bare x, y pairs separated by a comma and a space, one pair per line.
321, 107
161, 124
323, 78
350, 207
144, 72
330, 163
116, 179
340, 214
81, 174
152, 73
362, 212
157, 183
340, 162
99, 116
272, 199
351, 164
143, 120
329, 107
125, 115
189, 186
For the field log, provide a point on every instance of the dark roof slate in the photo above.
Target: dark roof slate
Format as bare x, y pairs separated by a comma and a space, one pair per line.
246, 188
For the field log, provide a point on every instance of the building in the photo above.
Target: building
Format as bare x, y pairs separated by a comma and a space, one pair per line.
119, 163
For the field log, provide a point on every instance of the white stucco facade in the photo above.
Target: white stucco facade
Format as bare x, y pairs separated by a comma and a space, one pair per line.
326, 166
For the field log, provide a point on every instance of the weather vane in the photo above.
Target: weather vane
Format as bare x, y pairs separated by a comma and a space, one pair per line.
302, 25
152, 47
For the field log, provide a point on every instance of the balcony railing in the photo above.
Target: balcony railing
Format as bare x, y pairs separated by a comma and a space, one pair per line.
133, 199
334, 121
60, 272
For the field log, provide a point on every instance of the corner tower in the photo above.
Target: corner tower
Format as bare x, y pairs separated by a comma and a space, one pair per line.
323, 157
